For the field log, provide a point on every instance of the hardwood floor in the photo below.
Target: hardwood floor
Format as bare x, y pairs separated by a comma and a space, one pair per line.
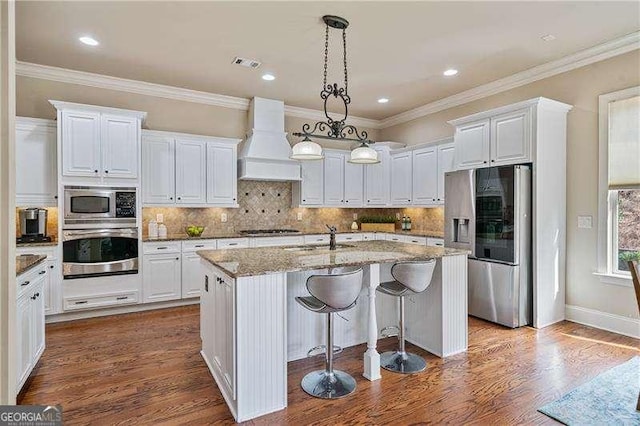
145, 368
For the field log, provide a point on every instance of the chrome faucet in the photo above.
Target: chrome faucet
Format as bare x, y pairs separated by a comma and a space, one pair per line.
332, 237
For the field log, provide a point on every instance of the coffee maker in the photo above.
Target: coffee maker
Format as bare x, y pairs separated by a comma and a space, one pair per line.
33, 226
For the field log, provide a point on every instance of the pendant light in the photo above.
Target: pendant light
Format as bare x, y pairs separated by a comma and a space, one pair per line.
334, 129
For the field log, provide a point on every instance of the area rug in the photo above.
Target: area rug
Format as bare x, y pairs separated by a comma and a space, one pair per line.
608, 399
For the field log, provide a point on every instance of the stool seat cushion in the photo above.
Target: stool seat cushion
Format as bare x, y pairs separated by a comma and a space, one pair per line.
315, 305
393, 288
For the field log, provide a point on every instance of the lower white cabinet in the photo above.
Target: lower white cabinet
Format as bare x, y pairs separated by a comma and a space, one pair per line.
52, 288
30, 341
161, 277
191, 275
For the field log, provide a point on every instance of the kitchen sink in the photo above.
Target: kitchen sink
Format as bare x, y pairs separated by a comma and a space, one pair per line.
316, 247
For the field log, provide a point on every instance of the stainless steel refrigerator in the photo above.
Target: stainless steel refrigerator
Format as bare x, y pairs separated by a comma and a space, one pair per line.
488, 212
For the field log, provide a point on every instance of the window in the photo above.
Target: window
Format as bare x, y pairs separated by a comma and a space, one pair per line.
619, 213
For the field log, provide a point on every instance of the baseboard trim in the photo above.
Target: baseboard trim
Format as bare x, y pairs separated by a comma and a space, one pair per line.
95, 313
603, 320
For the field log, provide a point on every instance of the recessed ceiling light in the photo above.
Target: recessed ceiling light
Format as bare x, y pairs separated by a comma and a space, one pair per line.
548, 37
383, 100
89, 41
269, 77
450, 72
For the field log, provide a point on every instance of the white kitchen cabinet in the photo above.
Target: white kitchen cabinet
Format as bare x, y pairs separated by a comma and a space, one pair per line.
161, 277
511, 138
191, 171
120, 147
223, 347
435, 242
222, 174
98, 144
376, 178
472, 142
36, 164
334, 179
80, 143
51, 269
353, 183
290, 240
207, 304
401, 178
30, 336
158, 169
425, 176
310, 190
446, 163
191, 275
346, 238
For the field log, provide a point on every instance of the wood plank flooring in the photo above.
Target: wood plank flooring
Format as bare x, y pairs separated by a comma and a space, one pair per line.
145, 368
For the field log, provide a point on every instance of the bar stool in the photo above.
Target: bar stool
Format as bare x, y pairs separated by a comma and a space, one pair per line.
410, 278
330, 294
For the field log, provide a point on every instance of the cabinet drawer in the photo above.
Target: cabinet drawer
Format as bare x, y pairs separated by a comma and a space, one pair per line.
316, 239
395, 237
421, 241
27, 281
340, 238
100, 301
380, 237
191, 246
370, 236
276, 241
161, 248
435, 242
231, 243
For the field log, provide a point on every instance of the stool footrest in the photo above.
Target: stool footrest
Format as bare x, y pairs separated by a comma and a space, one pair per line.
390, 331
323, 348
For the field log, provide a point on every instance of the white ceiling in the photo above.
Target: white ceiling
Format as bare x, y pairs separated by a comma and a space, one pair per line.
396, 50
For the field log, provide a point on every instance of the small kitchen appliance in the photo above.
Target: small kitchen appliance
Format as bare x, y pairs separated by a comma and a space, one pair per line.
33, 226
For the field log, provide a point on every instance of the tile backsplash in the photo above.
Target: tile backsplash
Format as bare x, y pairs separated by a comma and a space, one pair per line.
265, 205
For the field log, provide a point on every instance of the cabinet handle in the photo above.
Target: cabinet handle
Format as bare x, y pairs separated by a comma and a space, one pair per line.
82, 302
206, 283
493, 161
304, 201
42, 272
484, 162
122, 298
233, 244
34, 297
234, 199
161, 248
25, 283
199, 245
55, 197
433, 199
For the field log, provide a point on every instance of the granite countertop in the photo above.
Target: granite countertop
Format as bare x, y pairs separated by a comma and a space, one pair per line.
39, 244
27, 261
262, 261
229, 234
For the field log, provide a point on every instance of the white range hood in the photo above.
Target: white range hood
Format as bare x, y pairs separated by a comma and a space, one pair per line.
264, 155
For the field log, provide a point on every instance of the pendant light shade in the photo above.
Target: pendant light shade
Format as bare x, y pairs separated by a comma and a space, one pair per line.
306, 150
364, 155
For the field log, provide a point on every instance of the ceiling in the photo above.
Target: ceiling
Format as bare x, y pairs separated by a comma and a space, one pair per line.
396, 50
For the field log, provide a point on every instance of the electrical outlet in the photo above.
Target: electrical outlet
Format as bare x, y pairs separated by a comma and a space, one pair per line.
159, 218
397, 216
355, 216
223, 217
299, 216
585, 222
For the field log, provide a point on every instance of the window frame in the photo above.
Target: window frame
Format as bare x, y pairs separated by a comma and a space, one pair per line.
608, 199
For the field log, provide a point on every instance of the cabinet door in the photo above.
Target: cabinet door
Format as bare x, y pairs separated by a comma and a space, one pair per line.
446, 163
333, 179
353, 184
425, 176
80, 144
401, 176
207, 326
37, 302
191, 171
376, 181
472, 145
161, 278
312, 185
219, 307
158, 170
192, 274
36, 166
24, 338
511, 138
229, 341
119, 142
222, 175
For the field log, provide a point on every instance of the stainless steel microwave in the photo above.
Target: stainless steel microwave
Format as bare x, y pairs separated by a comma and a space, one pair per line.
99, 207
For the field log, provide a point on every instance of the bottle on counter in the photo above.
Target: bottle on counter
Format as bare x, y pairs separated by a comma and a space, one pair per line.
404, 223
408, 223
153, 229
162, 231
354, 226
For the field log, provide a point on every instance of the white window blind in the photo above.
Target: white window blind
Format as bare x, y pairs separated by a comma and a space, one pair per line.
624, 143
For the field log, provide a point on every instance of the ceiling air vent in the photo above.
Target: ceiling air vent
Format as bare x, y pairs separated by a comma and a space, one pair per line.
249, 63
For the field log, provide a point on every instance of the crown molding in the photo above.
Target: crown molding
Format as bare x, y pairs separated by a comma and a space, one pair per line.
588, 56
64, 75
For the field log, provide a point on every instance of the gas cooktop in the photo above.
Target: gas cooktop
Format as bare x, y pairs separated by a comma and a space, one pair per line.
268, 231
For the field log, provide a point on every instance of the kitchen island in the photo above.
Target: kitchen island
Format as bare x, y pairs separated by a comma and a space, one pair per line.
251, 326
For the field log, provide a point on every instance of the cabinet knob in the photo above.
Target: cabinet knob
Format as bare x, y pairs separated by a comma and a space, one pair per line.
484, 162
171, 198
33, 297
95, 171
106, 171
25, 283
51, 266
177, 258
179, 198
55, 197
42, 272
493, 161
304, 200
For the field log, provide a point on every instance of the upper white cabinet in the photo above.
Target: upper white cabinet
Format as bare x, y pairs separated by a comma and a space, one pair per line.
376, 179
98, 144
446, 163
353, 183
36, 163
425, 175
310, 190
334, 178
494, 138
401, 178
188, 170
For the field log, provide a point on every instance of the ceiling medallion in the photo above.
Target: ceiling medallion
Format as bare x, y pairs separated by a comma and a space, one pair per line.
334, 129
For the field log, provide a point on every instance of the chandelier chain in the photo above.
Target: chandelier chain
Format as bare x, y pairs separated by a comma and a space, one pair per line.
326, 55
344, 46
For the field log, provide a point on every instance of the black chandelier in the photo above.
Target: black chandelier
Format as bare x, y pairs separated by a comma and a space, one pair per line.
334, 129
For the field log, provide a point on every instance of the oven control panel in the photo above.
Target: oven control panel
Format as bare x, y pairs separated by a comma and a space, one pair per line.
126, 204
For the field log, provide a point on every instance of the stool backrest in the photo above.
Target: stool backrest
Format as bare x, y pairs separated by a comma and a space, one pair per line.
337, 291
416, 276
